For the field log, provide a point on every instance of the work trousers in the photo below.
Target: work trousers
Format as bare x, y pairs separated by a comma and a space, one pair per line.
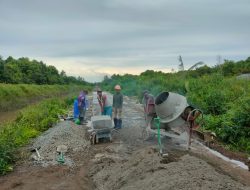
82, 112
118, 113
107, 110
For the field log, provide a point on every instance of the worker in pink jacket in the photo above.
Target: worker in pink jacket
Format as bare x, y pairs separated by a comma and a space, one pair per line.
106, 108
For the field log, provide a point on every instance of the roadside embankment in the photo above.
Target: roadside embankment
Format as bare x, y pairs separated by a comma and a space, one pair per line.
30, 121
15, 96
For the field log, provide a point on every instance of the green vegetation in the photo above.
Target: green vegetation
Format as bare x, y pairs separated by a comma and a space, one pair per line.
31, 122
224, 99
13, 96
30, 82
25, 71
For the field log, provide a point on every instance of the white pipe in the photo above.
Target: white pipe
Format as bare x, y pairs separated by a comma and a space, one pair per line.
234, 162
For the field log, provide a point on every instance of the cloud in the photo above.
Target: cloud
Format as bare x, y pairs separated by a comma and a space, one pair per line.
117, 36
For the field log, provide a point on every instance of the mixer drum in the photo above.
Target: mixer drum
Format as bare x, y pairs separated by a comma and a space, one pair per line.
169, 108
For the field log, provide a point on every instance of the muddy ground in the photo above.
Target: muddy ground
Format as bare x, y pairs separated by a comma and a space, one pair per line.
128, 162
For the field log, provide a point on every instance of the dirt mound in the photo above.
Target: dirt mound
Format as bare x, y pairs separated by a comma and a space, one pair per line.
144, 169
64, 133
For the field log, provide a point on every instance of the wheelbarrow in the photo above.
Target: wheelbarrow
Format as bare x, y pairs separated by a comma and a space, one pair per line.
101, 128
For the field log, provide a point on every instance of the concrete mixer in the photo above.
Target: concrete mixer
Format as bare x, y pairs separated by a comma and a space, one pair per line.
176, 117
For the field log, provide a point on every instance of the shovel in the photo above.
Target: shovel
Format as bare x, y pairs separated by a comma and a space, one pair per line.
158, 123
61, 149
33, 149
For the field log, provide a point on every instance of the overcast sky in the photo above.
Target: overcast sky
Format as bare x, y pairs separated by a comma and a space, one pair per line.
92, 38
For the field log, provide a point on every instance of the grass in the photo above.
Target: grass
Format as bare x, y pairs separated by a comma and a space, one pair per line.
14, 96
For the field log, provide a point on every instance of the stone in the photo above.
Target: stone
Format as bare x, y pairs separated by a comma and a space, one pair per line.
62, 148
101, 121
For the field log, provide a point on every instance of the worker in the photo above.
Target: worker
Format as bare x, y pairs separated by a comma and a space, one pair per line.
149, 107
117, 107
106, 108
76, 110
82, 106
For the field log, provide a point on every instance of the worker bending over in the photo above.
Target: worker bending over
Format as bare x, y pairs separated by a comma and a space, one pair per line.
106, 108
117, 107
82, 106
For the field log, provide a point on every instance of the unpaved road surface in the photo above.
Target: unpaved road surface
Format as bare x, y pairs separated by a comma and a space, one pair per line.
126, 163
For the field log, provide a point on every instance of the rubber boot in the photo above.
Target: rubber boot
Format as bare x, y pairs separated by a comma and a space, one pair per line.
81, 120
115, 122
119, 123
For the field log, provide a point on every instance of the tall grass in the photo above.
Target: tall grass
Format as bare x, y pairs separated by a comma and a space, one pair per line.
13, 96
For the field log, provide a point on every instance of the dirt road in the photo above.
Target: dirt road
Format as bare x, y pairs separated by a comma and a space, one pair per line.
126, 163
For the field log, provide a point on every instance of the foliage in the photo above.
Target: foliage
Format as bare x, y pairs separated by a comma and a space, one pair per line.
156, 82
14, 96
25, 71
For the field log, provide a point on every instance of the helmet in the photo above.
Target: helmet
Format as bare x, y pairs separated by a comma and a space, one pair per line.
117, 87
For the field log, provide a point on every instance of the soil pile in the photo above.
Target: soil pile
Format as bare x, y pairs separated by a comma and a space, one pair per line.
65, 133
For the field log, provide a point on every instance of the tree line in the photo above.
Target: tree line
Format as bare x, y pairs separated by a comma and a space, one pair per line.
26, 71
156, 80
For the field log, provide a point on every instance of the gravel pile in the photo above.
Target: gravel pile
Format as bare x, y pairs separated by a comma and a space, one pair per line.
64, 133
145, 169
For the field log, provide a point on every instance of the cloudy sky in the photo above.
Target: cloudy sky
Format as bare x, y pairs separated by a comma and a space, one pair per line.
92, 38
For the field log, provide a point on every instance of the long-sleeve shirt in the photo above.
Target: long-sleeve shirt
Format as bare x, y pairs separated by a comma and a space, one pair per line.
117, 100
83, 102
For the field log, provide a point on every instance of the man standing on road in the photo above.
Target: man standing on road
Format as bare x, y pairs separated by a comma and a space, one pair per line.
149, 107
117, 107
106, 108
